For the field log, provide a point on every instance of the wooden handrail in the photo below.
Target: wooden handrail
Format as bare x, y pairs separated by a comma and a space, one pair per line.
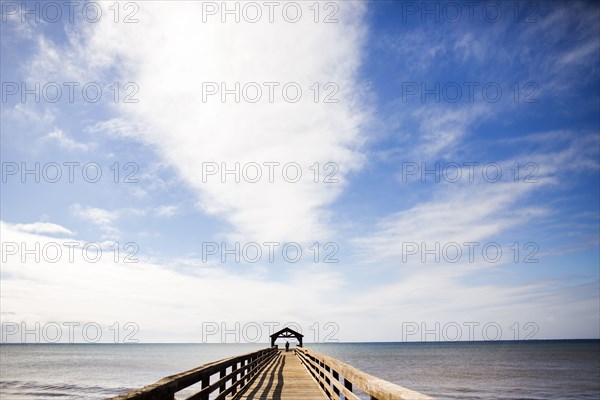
337, 378
243, 369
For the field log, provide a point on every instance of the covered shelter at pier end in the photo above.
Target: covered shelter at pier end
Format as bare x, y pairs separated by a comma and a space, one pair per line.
286, 333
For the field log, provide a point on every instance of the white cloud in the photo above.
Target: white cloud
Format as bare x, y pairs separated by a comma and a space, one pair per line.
43, 228
461, 213
441, 128
439, 295
166, 210
58, 136
562, 151
579, 21
15, 29
116, 127
30, 112
185, 131
106, 219
471, 47
108, 291
102, 218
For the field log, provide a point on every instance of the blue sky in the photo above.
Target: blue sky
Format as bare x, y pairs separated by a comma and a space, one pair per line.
476, 90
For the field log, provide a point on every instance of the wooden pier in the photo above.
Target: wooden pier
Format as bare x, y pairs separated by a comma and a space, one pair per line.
272, 374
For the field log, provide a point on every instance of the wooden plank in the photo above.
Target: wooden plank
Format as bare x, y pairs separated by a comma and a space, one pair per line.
284, 379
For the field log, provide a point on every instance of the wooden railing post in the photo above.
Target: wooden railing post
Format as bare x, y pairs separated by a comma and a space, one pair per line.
244, 372
320, 373
205, 384
328, 386
223, 374
337, 377
234, 377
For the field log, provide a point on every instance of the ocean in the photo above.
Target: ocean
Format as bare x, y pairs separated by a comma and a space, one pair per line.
540, 369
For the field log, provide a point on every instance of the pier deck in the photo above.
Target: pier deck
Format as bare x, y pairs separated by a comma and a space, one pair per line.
272, 374
286, 379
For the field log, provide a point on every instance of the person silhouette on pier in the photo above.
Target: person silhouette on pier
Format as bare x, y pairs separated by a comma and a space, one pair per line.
287, 346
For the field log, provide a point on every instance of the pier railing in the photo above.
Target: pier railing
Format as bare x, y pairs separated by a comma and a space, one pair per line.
225, 377
338, 380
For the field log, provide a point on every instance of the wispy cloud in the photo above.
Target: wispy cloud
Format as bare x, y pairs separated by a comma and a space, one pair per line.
58, 136
442, 128
473, 211
99, 217
167, 210
458, 214
27, 113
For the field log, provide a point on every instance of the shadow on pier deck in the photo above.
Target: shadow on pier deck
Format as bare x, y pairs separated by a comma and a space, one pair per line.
286, 379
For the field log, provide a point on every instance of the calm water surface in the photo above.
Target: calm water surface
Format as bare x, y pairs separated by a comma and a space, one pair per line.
473, 370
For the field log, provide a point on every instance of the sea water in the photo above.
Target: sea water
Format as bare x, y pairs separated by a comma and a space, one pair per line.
465, 370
